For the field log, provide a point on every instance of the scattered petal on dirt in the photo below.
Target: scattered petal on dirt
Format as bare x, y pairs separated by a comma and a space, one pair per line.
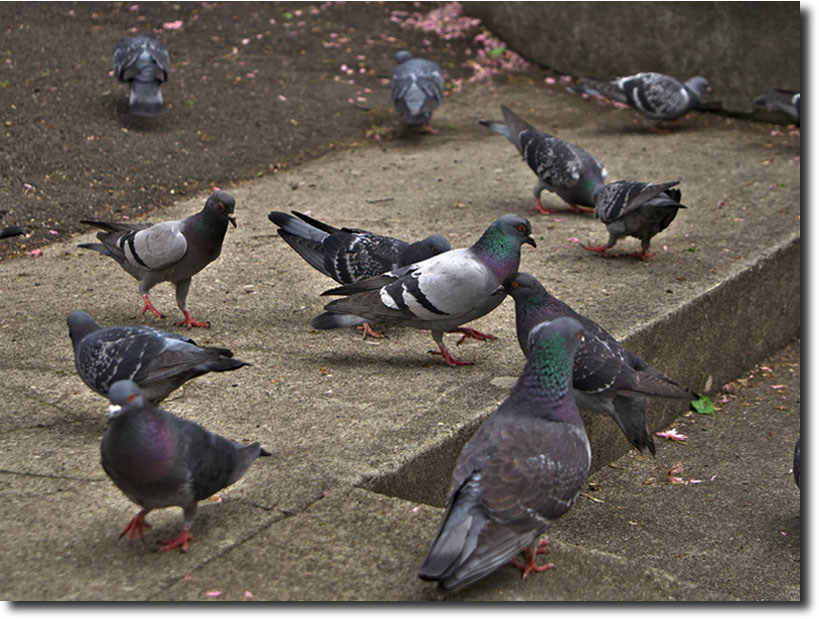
673, 435
213, 594
172, 25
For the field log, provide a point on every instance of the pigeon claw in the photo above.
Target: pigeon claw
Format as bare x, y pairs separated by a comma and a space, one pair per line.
137, 525
529, 555
472, 333
450, 360
190, 322
546, 211
642, 254
428, 129
580, 209
600, 249
180, 542
368, 330
150, 306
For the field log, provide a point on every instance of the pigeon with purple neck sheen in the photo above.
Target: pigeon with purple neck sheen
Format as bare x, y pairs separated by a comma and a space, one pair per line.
142, 62
440, 293
160, 460
608, 379
417, 89
777, 100
656, 96
158, 361
523, 468
170, 251
561, 167
632, 208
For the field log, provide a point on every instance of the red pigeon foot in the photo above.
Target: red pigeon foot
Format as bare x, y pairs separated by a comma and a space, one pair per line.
137, 525
368, 330
529, 555
150, 306
180, 542
472, 333
190, 322
600, 249
450, 360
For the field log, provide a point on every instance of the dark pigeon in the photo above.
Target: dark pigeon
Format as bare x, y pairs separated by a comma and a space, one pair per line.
417, 89
142, 62
631, 208
786, 101
797, 461
607, 378
561, 167
440, 293
656, 96
160, 460
524, 467
171, 251
10, 230
157, 361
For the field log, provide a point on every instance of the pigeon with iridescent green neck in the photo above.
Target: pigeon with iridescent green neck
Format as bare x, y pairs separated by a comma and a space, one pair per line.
440, 293
160, 460
561, 167
523, 468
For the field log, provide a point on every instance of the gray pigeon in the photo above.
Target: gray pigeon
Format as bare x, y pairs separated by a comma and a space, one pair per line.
785, 101
417, 90
142, 62
524, 467
171, 251
607, 379
656, 96
561, 167
159, 362
10, 230
631, 208
160, 460
797, 461
439, 293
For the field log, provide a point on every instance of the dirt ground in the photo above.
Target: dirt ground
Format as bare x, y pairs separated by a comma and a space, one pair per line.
253, 88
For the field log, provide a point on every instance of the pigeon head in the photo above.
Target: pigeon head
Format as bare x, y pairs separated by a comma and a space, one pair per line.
507, 234
121, 394
426, 248
524, 289
223, 204
699, 84
80, 324
403, 56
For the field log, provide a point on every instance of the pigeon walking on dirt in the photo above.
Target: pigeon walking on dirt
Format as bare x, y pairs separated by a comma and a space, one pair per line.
10, 230
631, 208
142, 62
785, 101
656, 96
523, 468
561, 167
157, 361
171, 251
607, 378
440, 293
160, 460
417, 90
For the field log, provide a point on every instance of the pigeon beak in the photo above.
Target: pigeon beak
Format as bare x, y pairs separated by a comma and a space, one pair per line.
500, 290
531, 240
232, 219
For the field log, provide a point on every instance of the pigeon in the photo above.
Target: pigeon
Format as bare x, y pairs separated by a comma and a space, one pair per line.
160, 460
142, 62
439, 293
171, 251
777, 100
561, 167
607, 379
158, 361
797, 460
656, 96
631, 208
524, 467
10, 230
417, 89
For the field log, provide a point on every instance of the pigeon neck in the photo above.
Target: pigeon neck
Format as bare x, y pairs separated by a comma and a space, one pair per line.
499, 251
211, 226
546, 382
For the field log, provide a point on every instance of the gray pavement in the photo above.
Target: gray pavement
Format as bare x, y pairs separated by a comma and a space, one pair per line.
364, 433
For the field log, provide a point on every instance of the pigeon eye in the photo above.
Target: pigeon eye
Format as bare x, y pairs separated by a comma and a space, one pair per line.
521, 228
515, 284
131, 397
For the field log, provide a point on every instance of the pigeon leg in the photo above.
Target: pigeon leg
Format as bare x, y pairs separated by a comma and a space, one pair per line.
581, 209
368, 330
467, 333
450, 360
529, 555
428, 129
150, 306
180, 541
137, 525
546, 211
190, 322
642, 254
600, 249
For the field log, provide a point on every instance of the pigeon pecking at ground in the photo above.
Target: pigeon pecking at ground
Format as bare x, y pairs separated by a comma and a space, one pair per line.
160, 460
524, 467
440, 293
561, 167
631, 208
171, 251
607, 378
417, 89
157, 361
349, 255
778, 100
10, 230
142, 62
656, 96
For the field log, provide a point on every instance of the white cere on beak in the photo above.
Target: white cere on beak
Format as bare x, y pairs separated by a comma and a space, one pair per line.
113, 410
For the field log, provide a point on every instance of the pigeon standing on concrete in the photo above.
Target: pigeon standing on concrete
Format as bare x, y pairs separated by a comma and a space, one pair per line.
561, 167
656, 96
417, 89
171, 251
785, 101
524, 467
440, 293
607, 378
157, 361
160, 460
10, 230
631, 208
142, 62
